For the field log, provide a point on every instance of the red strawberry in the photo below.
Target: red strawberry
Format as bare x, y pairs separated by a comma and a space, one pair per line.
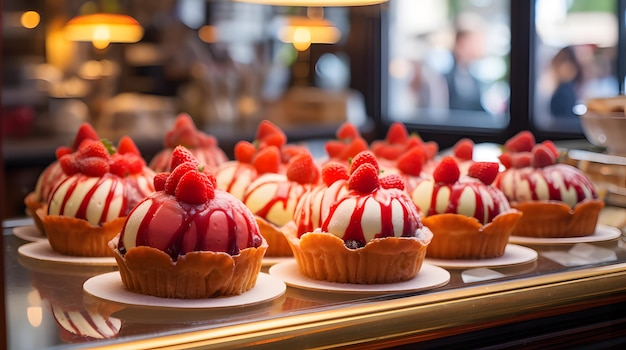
68, 164
278, 139
447, 171
542, 156
126, 145
181, 155
364, 157
135, 163
183, 132
414, 140
506, 159
353, 148
85, 132
334, 148
464, 149
521, 159
194, 188
392, 181
62, 150
159, 181
387, 151
93, 166
333, 171
397, 133
289, 151
430, 149
119, 165
552, 147
411, 162
176, 174
266, 129
301, 169
347, 131
267, 160
486, 172
244, 151
521, 142
364, 179
91, 148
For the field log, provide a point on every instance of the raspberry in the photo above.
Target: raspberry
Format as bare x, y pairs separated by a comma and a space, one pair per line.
464, 149
333, 171
194, 188
447, 171
486, 172
267, 160
364, 157
364, 179
392, 181
302, 169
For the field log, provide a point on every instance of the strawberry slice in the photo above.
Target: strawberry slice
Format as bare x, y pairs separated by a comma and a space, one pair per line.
364, 179
542, 156
411, 162
244, 151
334, 171
194, 187
267, 160
447, 171
392, 181
364, 157
397, 134
486, 172
463, 149
302, 169
521, 142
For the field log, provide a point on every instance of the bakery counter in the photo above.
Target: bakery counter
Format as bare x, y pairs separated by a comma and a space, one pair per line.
537, 291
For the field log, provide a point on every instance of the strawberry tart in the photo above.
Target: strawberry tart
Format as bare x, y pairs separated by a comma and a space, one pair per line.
188, 239
53, 174
88, 208
558, 200
184, 132
371, 235
469, 218
273, 197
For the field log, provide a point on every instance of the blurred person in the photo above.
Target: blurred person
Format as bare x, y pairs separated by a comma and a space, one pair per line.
568, 74
464, 90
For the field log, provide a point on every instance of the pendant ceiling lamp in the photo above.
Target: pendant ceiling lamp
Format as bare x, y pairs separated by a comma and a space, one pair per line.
104, 28
324, 3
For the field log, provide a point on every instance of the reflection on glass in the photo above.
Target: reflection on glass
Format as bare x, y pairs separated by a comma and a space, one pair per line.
448, 62
575, 59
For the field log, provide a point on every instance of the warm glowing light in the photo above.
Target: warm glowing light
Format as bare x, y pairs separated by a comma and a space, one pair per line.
303, 31
34, 315
30, 19
208, 34
324, 3
103, 28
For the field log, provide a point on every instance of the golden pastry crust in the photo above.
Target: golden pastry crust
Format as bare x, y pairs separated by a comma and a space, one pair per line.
77, 237
195, 275
324, 256
555, 219
33, 204
457, 236
278, 244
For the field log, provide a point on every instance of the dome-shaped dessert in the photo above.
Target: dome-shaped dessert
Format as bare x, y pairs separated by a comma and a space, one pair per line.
197, 240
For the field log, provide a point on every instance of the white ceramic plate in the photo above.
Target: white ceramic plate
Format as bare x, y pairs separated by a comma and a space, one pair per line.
41, 250
109, 287
429, 277
602, 233
29, 233
270, 261
513, 255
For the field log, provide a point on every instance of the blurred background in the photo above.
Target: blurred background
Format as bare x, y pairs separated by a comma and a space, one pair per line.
448, 69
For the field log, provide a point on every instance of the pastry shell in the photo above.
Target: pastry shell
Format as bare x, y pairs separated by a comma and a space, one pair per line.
555, 219
195, 275
278, 245
457, 236
324, 256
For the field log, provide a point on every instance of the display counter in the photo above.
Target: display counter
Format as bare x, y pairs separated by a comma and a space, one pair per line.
47, 306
